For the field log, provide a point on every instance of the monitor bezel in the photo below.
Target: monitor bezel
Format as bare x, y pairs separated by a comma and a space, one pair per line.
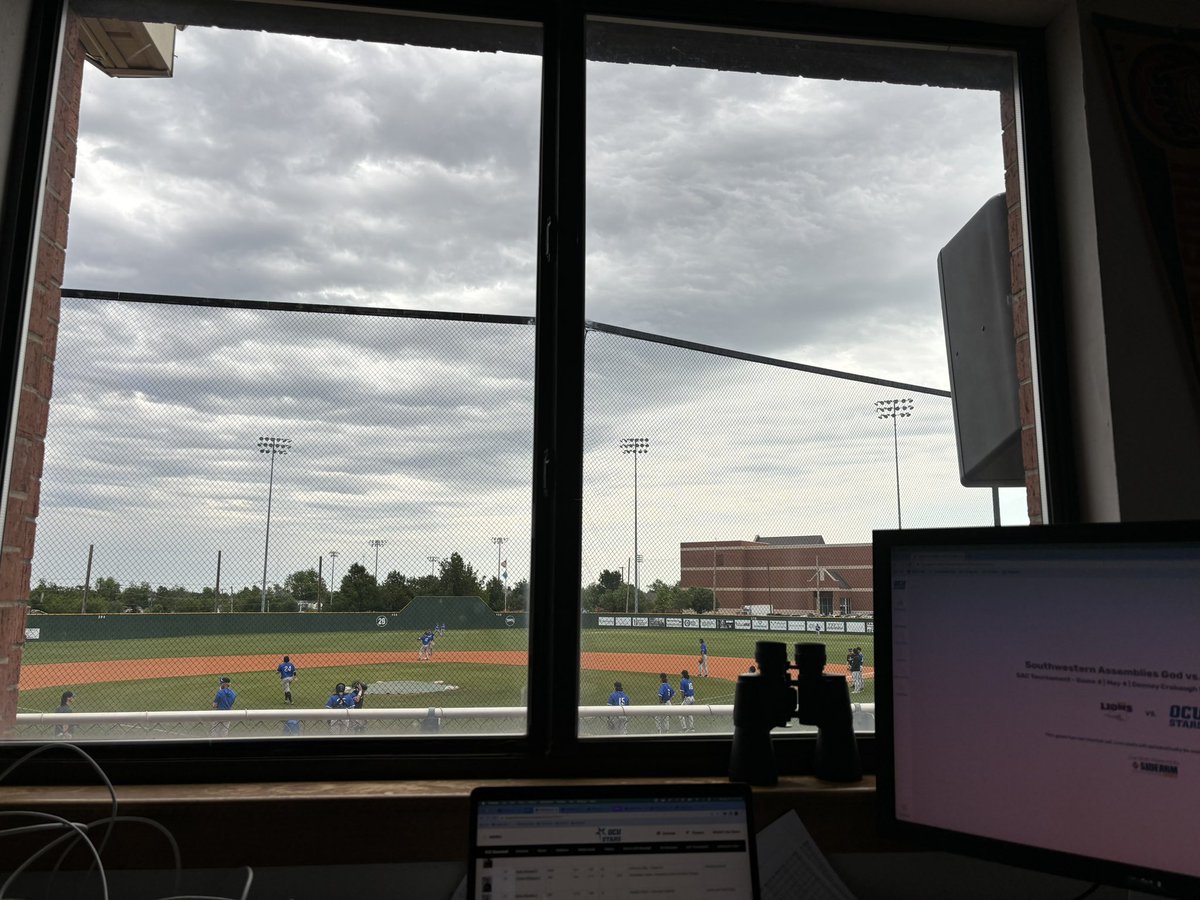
1092, 869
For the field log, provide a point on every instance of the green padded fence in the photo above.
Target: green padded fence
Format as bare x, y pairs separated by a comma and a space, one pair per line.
457, 613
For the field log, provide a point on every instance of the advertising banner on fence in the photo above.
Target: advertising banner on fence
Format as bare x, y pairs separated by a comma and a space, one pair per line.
773, 624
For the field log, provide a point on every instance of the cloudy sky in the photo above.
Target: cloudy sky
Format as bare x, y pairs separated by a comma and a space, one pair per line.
792, 218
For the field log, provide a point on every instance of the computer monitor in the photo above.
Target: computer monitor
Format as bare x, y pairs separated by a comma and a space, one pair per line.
1038, 697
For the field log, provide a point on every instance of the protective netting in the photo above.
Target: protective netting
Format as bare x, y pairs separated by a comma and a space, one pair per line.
399, 512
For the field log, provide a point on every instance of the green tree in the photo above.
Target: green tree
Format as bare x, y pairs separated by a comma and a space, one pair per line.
248, 599
395, 592
700, 599
665, 598
597, 598
305, 586
610, 580
105, 596
458, 579
359, 592
52, 598
518, 596
495, 594
426, 586
138, 597
280, 600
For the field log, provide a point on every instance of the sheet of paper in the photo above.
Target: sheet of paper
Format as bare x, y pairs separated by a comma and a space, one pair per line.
791, 866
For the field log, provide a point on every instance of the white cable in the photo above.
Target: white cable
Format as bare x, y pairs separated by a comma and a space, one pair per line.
66, 745
112, 793
80, 831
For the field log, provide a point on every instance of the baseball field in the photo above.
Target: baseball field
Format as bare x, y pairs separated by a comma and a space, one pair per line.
469, 668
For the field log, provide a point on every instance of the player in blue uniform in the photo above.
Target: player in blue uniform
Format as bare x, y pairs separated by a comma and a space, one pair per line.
688, 692
665, 693
702, 672
618, 698
426, 646
287, 671
339, 699
223, 700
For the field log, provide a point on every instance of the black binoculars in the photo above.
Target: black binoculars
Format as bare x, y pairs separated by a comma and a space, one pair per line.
770, 697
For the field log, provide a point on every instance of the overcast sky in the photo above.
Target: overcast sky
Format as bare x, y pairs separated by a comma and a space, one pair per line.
794, 218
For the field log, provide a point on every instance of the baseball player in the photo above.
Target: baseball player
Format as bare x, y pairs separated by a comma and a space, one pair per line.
339, 699
618, 698
688, 692
287, 671
224, 699
665, 693
702, 671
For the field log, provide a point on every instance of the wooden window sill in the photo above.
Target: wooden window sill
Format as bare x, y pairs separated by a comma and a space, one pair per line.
280, 824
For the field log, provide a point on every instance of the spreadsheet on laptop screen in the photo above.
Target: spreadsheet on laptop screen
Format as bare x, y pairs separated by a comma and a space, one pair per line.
600, 847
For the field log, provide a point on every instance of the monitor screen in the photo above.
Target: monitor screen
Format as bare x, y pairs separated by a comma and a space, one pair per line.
611, 841
1039, 696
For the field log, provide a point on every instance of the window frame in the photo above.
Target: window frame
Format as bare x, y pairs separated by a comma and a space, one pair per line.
552, 745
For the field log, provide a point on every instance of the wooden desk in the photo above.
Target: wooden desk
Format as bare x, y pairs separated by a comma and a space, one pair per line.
387, 821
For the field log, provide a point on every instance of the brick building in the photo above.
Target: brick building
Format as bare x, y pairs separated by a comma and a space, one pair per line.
121, 50
789, 574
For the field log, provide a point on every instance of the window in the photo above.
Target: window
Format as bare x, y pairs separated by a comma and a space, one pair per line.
390, 352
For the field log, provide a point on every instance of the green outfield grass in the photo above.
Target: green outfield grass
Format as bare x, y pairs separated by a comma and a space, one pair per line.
478, 684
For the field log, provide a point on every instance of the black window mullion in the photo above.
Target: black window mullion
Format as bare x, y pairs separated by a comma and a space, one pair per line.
558, 397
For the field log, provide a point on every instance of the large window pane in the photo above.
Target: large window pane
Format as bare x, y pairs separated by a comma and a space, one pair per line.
354, 424
767, 374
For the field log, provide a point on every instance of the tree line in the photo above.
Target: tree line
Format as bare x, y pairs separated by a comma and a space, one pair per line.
303, 590
611, 593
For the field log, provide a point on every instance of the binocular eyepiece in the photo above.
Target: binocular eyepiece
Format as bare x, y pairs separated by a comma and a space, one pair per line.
770, 697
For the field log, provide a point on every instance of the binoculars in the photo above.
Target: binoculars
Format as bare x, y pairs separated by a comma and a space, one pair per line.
770, 697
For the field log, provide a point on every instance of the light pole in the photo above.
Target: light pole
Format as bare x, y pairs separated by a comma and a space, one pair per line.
376, 544
433, 561
333, 555
895, 409
499, 542
636, 447
276, 446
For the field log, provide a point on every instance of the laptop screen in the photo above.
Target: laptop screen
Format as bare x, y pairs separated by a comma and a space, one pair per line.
611, 841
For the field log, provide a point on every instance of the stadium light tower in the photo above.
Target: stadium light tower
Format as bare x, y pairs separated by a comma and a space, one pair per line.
433, 561
276, 446
333, 555
895, 409
635, 446
376, 544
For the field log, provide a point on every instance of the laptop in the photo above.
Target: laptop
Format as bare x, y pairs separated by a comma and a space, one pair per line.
612, 841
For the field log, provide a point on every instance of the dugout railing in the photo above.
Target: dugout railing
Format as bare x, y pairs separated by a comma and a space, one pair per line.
594, 721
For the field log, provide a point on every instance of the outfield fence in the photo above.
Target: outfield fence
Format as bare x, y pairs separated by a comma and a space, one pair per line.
420, 722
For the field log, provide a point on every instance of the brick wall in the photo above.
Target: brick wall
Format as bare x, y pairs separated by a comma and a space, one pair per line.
38, 377
1016, 249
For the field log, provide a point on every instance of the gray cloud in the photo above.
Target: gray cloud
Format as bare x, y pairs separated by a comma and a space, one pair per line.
769, 215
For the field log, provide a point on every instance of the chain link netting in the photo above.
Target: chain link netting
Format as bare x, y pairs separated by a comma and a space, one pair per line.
408, 475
